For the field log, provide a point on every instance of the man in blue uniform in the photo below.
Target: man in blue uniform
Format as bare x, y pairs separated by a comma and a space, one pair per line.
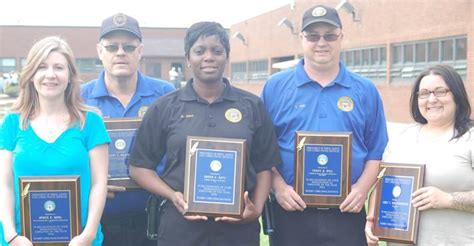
122, 91
320, 94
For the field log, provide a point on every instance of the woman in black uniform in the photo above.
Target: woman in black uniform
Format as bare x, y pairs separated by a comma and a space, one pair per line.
207, 106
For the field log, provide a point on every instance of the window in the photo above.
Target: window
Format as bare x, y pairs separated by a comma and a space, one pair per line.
343, 57
349, 59
409, 59
7, 65
365, 57
374, 56
239, 71
177, 65
383, 55
357, 60
369, 62
433, 51
461, 49
408, 53
89, 65
154, 69
258, 70
447, 48
397, 54
420, 53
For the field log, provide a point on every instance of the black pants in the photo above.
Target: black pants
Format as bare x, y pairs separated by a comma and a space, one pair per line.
125, 230
322, 227
175, 230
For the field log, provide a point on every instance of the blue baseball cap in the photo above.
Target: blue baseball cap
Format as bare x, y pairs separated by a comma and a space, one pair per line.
120, 22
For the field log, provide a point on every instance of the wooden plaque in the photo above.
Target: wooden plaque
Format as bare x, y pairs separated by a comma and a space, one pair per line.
122, 132
50, 209
323, 167
395, 218
214, 176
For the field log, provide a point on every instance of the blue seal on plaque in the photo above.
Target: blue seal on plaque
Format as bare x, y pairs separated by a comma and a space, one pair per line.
395, 202
50, 216
322, 170
119, 151
215, 176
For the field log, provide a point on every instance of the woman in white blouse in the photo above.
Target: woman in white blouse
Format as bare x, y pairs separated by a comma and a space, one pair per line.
443, 139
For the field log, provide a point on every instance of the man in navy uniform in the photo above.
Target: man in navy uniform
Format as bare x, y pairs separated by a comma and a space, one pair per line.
122, 91
320, 94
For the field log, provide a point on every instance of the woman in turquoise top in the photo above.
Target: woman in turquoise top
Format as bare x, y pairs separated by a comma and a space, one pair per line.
50, 132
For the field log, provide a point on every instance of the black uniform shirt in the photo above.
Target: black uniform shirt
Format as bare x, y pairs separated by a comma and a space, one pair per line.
183, 113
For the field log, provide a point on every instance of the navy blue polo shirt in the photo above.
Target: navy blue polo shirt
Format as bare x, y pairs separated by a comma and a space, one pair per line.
236, 114
350, 103
148, 90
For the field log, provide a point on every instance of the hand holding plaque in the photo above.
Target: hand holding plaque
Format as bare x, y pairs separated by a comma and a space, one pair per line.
50, 209
214, 176
322, 167
122, 132
395, 218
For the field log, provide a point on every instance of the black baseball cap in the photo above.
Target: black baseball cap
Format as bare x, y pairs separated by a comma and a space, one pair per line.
120, 22
321, 13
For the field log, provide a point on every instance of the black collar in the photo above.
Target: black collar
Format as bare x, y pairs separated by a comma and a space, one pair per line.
188, 93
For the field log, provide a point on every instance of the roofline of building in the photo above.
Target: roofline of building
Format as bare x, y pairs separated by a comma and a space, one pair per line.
47, 26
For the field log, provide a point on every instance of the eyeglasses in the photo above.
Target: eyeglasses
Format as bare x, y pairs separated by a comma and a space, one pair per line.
127, 48
315, 37
438, 92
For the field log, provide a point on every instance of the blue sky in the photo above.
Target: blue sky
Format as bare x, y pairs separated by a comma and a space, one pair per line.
152, 13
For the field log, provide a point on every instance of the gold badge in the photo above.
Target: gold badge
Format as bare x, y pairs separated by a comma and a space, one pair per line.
120, 19
345, 103
141, 111
319, 11
233, 115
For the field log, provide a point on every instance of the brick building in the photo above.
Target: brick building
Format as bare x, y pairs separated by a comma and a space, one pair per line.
389, 41
164, 48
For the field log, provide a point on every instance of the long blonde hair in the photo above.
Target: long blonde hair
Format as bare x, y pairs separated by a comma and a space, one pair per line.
27, 103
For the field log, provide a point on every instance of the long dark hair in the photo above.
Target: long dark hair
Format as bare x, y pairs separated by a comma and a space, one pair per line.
462, 120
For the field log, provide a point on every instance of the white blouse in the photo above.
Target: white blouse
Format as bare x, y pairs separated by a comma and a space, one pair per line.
449, 167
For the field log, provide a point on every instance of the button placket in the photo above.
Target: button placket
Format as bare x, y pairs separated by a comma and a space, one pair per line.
210, 117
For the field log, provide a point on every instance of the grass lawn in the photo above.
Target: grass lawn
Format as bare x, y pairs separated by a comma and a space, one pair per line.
265, 242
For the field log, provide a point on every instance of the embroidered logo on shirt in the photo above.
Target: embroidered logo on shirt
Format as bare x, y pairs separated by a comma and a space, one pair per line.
345, 103
142, 110
233, 115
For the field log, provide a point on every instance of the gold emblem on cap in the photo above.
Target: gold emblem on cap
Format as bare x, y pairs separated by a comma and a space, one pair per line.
233, 115
319, 11
141, 111
345, 103
120, 19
